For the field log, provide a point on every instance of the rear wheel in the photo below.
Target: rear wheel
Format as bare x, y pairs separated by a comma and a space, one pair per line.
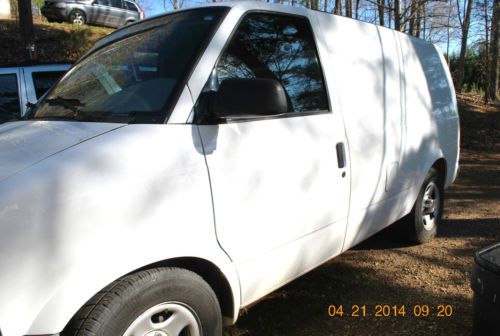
77, 17
426, 213
157, 302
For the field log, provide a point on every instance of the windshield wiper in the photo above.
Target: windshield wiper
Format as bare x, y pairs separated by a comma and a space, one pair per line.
78, 116
68, 103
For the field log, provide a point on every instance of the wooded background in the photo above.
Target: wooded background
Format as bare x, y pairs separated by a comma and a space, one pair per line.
466, 30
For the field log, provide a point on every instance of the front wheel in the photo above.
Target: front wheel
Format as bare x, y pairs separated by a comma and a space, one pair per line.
428, 209
157, 302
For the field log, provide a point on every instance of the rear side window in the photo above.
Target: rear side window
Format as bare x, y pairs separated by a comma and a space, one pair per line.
277, 47
43, 81
103, 2
9, 97
116, 3
130, 6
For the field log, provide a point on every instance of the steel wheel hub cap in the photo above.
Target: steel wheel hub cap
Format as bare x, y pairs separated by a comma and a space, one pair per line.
165, 319
430, 206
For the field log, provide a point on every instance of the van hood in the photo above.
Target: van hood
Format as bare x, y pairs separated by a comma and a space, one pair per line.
25, 143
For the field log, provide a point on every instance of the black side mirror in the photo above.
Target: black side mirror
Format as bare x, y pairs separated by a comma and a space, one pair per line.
249, 98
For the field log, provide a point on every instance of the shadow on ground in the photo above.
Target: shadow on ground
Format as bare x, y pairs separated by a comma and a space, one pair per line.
385, 270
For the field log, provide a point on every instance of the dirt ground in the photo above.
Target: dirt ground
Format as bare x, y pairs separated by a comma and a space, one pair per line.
386, 271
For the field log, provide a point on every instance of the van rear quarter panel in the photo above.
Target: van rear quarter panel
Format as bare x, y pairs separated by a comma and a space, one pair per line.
432, 117
399, 109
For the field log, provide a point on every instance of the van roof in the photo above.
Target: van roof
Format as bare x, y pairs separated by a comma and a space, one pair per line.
243, 5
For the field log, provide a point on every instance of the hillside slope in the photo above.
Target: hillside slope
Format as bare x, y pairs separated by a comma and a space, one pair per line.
55, 42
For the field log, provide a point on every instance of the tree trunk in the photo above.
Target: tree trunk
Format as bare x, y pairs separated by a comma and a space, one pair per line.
357, 9
423, 19
418, 20
325, 6
389, 13
411, 29
348, 8
380, 6
448, 35
495, 35
27, 31
338, 7
397, 15
463, 46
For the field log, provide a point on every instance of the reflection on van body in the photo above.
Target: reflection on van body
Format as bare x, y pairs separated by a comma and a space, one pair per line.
190, 164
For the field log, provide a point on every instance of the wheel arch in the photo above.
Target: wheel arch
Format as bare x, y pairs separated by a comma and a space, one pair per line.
211, 274
442, 168
223, 279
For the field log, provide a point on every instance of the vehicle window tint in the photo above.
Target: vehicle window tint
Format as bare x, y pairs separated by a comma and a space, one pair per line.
116, 3
9, 97
277, 47
43, 81
131, 6
102, 2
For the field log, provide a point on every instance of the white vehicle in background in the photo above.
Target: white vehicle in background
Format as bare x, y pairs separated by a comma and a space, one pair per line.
194, 162
24, 85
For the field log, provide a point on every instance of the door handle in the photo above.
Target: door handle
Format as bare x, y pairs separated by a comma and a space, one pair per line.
340, 154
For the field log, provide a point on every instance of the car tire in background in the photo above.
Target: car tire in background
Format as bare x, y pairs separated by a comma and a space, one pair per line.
77, 17
163, 301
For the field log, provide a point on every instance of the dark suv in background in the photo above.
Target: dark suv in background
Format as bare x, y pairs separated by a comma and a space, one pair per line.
111, 13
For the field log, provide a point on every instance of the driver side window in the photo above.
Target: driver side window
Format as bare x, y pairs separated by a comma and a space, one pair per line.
277, 47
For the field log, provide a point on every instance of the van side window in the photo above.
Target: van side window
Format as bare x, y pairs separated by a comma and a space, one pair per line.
9, 97
44, 80
277, 47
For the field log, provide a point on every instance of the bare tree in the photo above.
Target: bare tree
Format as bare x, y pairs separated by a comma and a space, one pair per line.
381, 7
464, 19
348, 8
27, 30
492, 90
176, 4
338, 7
397, 15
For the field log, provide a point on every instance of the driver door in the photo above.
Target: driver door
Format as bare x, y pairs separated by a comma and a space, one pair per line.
280, 194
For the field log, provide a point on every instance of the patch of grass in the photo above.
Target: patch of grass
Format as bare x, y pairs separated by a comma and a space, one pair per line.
55, 42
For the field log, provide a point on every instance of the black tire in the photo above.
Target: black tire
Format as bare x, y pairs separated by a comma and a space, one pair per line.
425, 217
77, 17
114, 309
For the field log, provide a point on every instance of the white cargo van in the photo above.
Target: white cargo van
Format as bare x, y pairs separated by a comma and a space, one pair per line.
194, 162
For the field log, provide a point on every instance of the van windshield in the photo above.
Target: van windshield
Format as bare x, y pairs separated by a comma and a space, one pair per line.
135, 79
